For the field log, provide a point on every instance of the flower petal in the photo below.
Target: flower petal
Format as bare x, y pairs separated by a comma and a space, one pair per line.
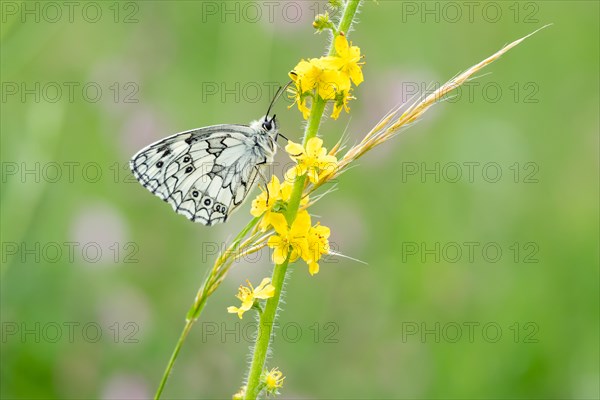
247, 304
304, 109
288, 185
295, 150
331, 82
262, 284
323, 231
341, 45
273, 188
356, 74
280, 254
279, 223
337, 108
265, 221
313, 268
301, 224
266, 292
313, 146
274, 241
259, 205
313, 175
332, 62
234, 310
294, 255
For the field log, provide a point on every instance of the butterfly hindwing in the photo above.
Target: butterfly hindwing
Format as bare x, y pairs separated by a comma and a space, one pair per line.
203, 174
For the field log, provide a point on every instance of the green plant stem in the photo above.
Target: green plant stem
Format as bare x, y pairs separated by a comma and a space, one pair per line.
187, 328
346, 20
267, 318
265, 329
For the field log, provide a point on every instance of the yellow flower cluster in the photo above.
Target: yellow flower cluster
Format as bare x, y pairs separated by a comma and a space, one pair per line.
301, 239
248, 295
329, 77
313, 160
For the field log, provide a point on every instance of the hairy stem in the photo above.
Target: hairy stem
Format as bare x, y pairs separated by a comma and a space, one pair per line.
268, 316
346, 20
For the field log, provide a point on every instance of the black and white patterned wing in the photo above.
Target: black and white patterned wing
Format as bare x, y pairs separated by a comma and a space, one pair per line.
204, 174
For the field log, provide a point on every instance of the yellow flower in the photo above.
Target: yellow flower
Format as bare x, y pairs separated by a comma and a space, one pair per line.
286, 188
304, 74
319, 74
347, 60
291, 174
266, 199
264, 202
300, 98
313, 160
272, 200
289, 240
329, 81
273, 380
248, 295
341, 101
318, 244
328, 77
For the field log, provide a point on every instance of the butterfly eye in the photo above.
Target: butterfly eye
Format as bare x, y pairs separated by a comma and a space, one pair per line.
267, 125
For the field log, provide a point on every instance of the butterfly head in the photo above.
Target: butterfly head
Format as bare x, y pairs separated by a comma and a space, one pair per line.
269, 126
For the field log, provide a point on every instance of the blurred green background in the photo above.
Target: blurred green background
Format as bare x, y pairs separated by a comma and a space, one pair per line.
478, 285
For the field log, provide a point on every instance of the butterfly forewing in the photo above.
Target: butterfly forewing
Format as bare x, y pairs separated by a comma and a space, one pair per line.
204, 173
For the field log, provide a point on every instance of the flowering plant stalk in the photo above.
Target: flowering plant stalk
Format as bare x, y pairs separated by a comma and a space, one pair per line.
281, 219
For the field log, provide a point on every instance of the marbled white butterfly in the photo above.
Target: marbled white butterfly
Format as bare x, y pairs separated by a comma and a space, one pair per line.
206, 173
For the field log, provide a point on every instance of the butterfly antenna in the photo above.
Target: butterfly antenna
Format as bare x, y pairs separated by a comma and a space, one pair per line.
272, 102
277, 96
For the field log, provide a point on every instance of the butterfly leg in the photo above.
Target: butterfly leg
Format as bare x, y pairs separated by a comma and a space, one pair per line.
280, 134
264, 180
